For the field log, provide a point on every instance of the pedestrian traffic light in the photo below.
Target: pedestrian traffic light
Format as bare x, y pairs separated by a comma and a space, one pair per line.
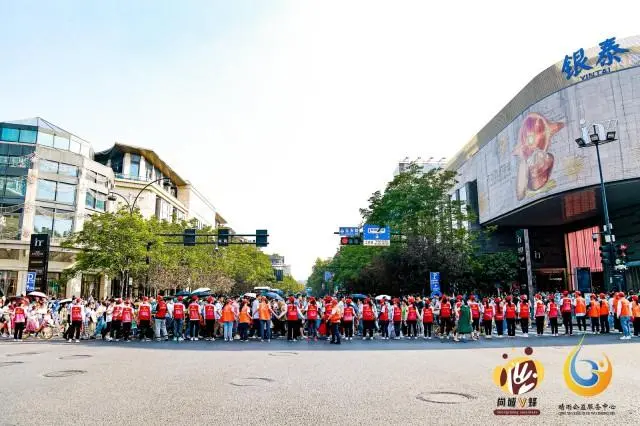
350, 241
261, 238
189, 237
223, 237
607, 254
621, 253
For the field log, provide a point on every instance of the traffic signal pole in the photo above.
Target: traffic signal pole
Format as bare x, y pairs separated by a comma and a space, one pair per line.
607, 222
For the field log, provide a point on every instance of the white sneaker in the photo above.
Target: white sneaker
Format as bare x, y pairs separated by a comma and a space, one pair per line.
525, 335
68, 341
196, 339
77, 341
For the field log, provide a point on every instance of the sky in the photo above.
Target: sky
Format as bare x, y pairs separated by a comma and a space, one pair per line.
287, 115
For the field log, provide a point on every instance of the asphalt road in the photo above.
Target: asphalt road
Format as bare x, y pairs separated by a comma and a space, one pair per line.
358, 382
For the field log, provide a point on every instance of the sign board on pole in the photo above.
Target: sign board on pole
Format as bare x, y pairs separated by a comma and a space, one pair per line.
328, 276
349, 231
434, 281
31, 281
39, 260
374, 235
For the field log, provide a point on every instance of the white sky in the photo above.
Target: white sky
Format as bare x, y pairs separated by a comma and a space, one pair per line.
288, 116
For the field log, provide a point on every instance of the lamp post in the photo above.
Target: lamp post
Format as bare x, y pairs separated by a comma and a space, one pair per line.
594, 140
131, 207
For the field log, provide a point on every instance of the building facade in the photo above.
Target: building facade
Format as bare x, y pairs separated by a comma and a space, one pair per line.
524, 169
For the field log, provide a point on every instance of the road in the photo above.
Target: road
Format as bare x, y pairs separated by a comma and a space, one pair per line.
358, 382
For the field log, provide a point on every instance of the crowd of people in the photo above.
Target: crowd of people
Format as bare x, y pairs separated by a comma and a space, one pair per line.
334, 318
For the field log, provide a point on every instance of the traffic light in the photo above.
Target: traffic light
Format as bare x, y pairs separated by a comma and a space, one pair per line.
261, 238
621, 253
189, 237
279, 273
350, 241
223, 237
607, 254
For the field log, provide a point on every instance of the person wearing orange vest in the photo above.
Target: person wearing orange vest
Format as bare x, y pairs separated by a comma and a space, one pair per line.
116, 321
209, 319
20, 319
539, 311
160, 321
412, 319
487, 317
144, 318
604, 314
194, 318
228, 318
446, 317
524, 314
499, 316
566, 304
265, 313
77, 314
383, 318
593, 310
244, 319
127, 319
178, 319
348, 316
475, 316
581, 311
553, 316
335, 318
635, 314
427, 319
511, 314
624, 313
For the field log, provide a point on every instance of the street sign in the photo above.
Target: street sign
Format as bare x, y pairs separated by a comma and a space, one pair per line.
434, 281
349, 231
328, 276
375, 235
31, 281
39, 260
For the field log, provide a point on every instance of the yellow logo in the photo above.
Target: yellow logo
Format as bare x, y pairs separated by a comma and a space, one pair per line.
520, 375
600, 378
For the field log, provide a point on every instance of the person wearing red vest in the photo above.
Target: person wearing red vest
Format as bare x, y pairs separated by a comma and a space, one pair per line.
312, 318
194, 318
623, 311
553, 316
396, 316
368, 316
127, 319
474, 306
178, 319
635, 314
20, 319
293, 316
160, 321
510, 312
77, 314
144, 318
593, 309
116, 321
209, 319
604, 314
446, 317
412, 319
566, 304
487, 312
499, 316
524, 314
427, 319
581, 311
348, 316
383, 318
539, 310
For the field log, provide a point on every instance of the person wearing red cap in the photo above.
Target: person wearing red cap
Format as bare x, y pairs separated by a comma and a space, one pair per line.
566, 304
499, 316
524, 315
383, 318
228, 318
593, 309
209, 319
336, 318
623, 311
445, 311
77, 314
396, 315
487, 317
412, 319
20, 319
144, 318
604, 314
244, 319
348, 315
116, 321
293, 319
510, 315
178, 319
368, 317
312, 315
194, 318
160, 321
581, 311
475, 316
427, 318
539, 311
127, 320
553, 316
635, 313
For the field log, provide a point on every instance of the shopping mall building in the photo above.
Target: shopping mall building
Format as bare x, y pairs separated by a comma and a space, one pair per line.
525, 170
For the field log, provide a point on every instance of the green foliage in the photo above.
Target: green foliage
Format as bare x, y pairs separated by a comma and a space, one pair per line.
490, 269
316, 278
290, 286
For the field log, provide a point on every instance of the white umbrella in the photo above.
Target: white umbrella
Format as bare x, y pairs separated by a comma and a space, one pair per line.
65, 301
201, 290
37, 294
383, 295
250, 295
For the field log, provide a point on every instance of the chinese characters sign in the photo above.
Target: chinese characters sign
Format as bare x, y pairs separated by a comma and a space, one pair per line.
578, 62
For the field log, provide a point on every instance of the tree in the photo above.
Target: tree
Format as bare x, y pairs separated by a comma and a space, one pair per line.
290, 286
316, 279
490, 269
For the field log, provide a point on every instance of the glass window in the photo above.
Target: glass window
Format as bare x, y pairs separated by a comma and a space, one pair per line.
101, 201
15, 150
149, 171
62, 225
43, 223
74, 146
45, 139
90, 199
61, 142
16, 187
46, 190
4, 160
134, 169
9, 135
68, 170
47, 166
90, 175
66, 193
3, 179
28, 136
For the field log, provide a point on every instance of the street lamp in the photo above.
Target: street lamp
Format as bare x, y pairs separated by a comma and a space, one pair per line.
594, 139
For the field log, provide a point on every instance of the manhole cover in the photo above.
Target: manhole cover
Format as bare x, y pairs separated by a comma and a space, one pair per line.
74, 356
23, 353
251, 381
8, 363
445, 397
65, 373
283, 353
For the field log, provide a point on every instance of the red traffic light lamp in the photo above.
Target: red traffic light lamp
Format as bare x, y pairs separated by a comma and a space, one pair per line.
344, 241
